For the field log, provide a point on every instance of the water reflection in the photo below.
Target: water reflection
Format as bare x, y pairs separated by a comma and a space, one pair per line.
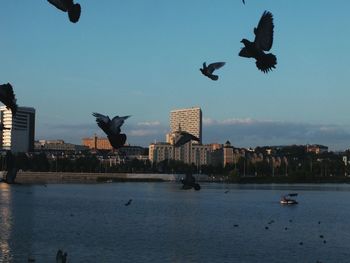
16, 222
6, 220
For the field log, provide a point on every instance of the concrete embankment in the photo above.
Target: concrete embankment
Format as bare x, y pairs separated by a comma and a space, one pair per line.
60, 177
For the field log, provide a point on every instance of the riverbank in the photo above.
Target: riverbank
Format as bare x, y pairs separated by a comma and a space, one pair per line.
61, 177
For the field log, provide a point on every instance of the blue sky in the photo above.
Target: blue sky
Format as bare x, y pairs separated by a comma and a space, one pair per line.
142, 58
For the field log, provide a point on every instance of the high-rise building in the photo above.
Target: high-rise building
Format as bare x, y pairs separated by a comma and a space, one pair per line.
18, 135
189, 120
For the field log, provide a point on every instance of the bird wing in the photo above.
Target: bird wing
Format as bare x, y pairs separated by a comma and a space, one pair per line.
184, 138
103, 122
117, 122
244, 53
214, 66
7, 96
60, 4
264, 32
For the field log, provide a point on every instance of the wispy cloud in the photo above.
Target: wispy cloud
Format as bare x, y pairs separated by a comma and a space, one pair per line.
245, 132
249, 132
149, 123
142, 133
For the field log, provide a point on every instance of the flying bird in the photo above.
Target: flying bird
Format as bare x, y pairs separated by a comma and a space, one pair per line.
208, 70
183, 137
8, 97
243, 1
112, 128
73, 10
263, 42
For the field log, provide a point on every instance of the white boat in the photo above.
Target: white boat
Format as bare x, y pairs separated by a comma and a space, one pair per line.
286, 200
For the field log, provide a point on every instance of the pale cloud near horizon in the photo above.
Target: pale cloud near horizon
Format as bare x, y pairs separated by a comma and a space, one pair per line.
245, 132
149, 123
248, 132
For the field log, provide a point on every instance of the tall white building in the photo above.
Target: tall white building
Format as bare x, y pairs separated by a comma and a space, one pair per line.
20, 135
189, 120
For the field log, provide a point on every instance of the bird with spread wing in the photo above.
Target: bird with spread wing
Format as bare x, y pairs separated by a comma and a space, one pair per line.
112, 128
263, 42
208, 70
183, 137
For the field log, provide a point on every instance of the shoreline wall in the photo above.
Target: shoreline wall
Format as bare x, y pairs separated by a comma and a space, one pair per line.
61, 177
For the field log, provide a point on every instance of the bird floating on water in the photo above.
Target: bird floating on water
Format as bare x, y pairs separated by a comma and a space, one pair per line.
61, 257
128, 203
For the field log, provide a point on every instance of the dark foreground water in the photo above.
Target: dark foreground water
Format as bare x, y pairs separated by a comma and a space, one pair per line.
166, 224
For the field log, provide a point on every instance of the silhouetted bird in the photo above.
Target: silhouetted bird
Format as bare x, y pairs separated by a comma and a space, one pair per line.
128, 203
235, 225
190, 182
11, 168
73, 10
263, 42
243, 1
112, 128
60, 257
208, 70
8, 97
183, 137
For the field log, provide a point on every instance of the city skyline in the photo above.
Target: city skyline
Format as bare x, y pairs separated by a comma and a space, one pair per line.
143, 60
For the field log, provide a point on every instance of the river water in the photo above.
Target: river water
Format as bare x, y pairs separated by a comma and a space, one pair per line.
219, 223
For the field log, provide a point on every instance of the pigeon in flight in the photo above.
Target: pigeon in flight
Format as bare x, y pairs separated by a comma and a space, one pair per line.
208, 70
183, 137
112, 128
263, 42
8, 97
73, 10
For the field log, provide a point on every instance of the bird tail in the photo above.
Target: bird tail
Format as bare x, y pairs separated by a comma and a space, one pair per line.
74, 13
266, 62
213, 77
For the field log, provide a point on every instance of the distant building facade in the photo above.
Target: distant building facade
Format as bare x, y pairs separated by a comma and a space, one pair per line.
160, 151
188, 153
97, 143
316, 148
58, 146
20, 135
189, 120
